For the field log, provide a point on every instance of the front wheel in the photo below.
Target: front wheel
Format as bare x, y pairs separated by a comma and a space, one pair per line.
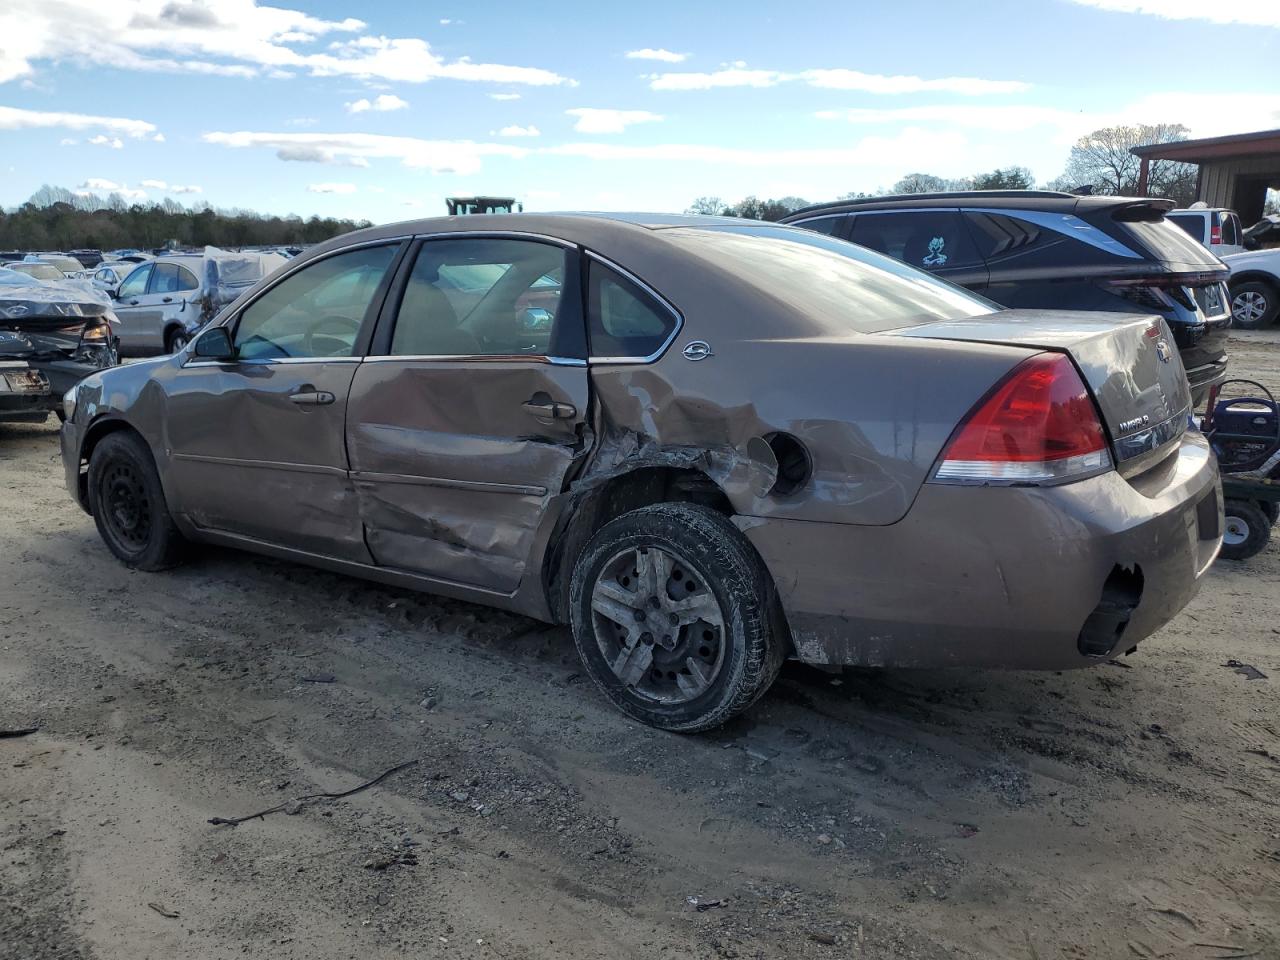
1253, 305
1246, 529
675, 617
128, 504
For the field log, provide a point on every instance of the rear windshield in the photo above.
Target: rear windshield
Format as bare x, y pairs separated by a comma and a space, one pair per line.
1166, 242
840, 286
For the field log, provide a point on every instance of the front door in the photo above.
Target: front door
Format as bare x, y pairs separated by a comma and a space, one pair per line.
469, 420
139, 314
257, 443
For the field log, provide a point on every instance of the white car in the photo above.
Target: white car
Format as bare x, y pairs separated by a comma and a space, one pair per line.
1217, 228
1255, 288
70, 267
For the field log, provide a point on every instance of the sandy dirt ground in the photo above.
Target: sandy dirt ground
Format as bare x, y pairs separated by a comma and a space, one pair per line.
1125, 811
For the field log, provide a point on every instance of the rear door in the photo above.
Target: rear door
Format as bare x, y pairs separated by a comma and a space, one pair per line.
469, 413
258, 445
936, 241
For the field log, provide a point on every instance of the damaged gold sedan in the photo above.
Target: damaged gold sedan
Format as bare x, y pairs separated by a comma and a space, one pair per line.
707, 444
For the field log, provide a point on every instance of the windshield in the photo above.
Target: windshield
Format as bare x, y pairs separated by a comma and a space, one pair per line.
840, 286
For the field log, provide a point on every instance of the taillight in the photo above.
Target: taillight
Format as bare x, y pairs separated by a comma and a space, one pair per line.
1039, 425
1215, 234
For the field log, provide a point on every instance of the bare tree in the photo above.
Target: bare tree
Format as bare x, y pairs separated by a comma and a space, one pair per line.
1104, 160
708, 206
1003, 178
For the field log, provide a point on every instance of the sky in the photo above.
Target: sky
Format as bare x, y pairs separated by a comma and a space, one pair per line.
380, 110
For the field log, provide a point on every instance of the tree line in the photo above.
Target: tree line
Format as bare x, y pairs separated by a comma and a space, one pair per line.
58, 219
1101, 162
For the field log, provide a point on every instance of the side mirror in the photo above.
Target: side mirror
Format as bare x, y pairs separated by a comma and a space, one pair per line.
214, 344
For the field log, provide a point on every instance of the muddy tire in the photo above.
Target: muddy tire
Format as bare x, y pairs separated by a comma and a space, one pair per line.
128, 504
1246, 529
675, 617
1254, 305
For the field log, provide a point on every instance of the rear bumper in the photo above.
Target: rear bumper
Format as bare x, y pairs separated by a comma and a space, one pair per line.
997, 576
1203, 377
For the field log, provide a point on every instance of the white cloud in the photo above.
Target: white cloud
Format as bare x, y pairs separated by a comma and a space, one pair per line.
101, 185
737, 75
591, 120
661, 53
102, 140
236, 38
331, 188
188, 188
383, 104
68, 142
446, 21
170, 187
1257, 13
438, 156
13, 118
158, 138
154, 184
504, 96
870, 150
1206, 115
516, 130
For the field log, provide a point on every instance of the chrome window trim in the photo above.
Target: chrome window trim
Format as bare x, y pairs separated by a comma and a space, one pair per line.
825, 216
476, 357
269, 361
661, 300
497, 235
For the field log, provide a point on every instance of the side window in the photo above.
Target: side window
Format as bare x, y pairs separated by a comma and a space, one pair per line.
1193, 224
165, 278
135, 285
1230, 229
929, 240
317, 311
186, 280
623, 320
828, 225
480, 296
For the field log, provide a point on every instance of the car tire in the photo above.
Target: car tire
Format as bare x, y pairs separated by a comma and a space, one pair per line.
1270, 509
676, 618
128, 505
1254, 305
1246, 529
175, 340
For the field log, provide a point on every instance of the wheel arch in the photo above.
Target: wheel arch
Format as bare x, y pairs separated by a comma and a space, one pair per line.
588, 511
1254, 276
94, 434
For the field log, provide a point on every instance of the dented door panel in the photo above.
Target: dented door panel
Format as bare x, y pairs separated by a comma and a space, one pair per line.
452, 472
246, 458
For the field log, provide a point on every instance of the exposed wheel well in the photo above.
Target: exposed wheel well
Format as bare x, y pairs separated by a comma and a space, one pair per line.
93, 436
619, 495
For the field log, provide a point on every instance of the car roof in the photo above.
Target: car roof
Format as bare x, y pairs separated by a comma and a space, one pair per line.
1052, 201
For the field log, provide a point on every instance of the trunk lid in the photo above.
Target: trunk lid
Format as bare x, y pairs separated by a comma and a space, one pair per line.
1130, 363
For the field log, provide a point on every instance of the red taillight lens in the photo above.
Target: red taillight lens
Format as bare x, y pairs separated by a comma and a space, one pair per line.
1038, 426
1215, 234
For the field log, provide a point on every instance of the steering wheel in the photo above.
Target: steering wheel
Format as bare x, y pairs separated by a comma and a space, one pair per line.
333, 320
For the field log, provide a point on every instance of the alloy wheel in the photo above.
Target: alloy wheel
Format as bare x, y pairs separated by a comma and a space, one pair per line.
1249, 306
658, 624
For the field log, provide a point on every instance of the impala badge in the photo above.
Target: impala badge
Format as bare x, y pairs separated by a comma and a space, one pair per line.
697, 350
1135, 423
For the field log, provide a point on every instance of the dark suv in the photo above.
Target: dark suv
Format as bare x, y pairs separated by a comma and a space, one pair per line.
1030, 248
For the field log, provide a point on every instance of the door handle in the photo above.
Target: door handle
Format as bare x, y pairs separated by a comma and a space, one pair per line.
549, 409
166, 300
133, 303
313, 398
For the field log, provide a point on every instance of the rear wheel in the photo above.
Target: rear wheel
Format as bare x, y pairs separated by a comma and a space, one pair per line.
128, 504
1246, 529
674, 617
1254, 304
